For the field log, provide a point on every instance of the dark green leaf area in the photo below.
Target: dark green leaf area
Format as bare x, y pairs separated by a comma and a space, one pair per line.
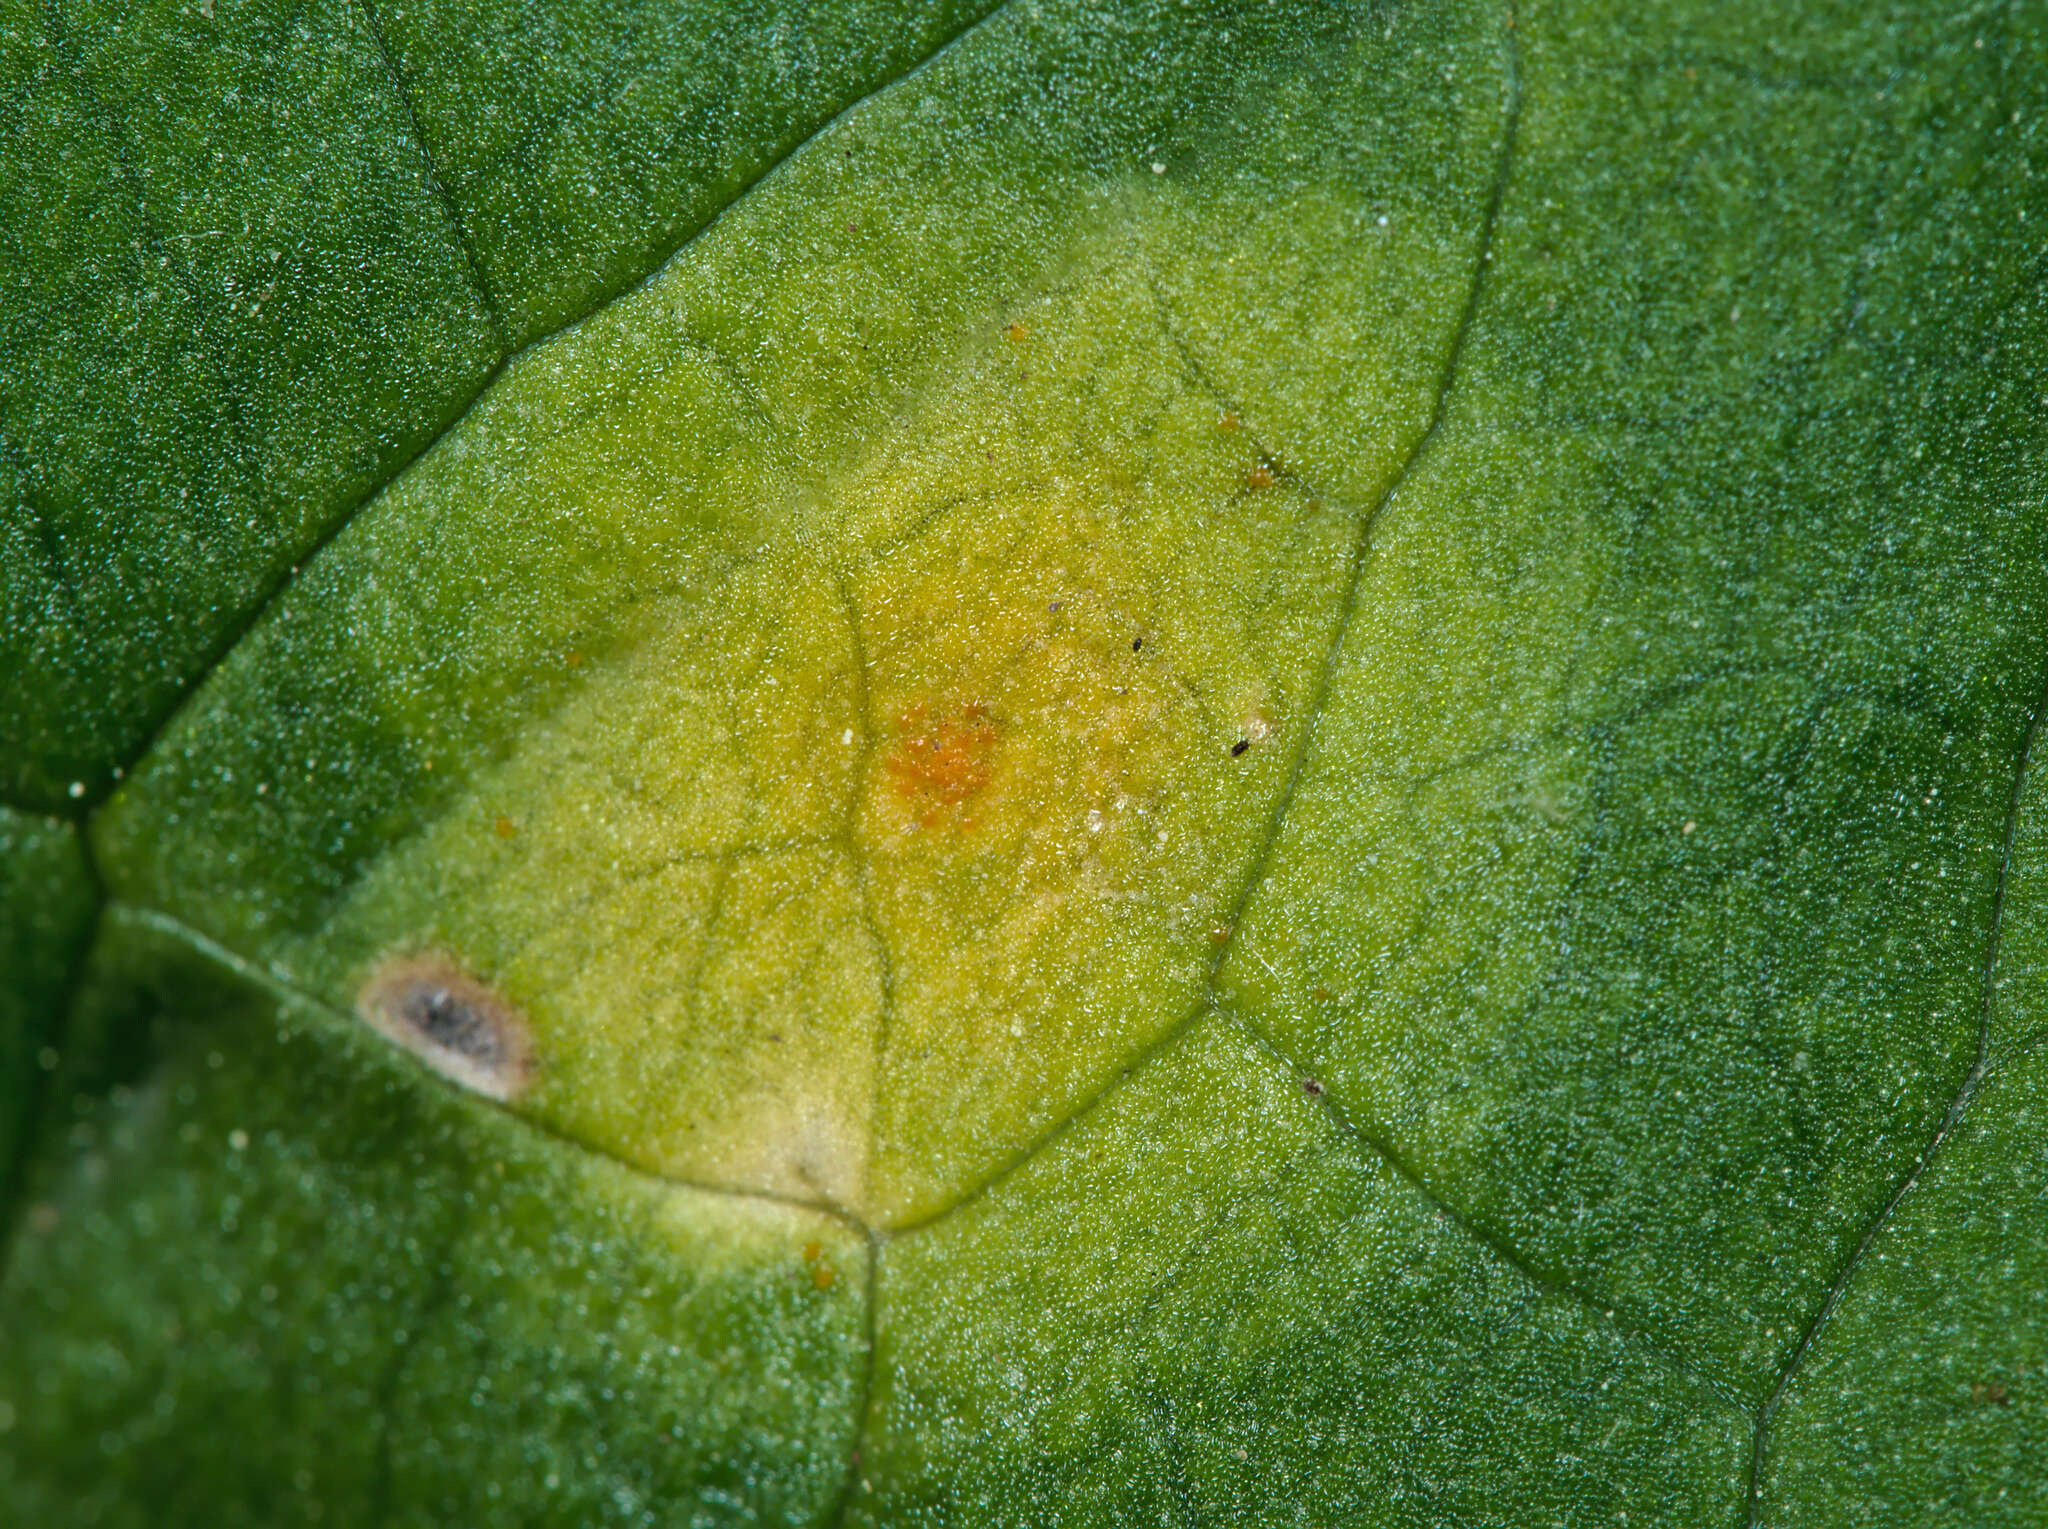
1925, 1400
388, 1305
1650, 927
47, 902
580, 143
1207, 1303
2019, 1012
235, 306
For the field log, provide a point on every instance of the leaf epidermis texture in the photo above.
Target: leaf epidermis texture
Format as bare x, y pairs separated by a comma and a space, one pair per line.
1216, 733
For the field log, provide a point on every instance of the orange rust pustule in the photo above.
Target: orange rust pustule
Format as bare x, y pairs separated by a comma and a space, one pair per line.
942, 761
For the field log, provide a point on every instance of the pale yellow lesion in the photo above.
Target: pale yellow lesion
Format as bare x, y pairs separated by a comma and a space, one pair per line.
1061, 681
659, 882
716, 1023
845, 875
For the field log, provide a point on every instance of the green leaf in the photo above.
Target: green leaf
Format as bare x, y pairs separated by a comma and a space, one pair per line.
291, 1279
261, 255
46, 912
1237, 763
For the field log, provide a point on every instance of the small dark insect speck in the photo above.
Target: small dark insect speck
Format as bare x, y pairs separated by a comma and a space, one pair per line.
1312, 1088
1239, 747
1137, 643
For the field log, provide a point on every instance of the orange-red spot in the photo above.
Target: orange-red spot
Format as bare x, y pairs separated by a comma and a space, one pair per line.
813, 1251
1261, 476
823, 1277
1229, 420
942, 761
575, 659
505, 828
1016, 331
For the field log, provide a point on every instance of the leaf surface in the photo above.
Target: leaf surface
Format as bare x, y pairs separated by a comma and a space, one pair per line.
1236, 764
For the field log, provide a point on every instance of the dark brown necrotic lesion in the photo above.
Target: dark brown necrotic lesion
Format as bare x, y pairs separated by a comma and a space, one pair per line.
461, 1027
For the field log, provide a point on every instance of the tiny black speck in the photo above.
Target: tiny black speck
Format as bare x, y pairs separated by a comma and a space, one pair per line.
1137, 643
1239, 747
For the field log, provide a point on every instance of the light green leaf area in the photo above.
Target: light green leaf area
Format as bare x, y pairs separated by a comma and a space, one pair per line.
1238, 764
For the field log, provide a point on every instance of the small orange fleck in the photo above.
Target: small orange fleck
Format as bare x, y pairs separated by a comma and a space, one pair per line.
1261, 476
1016, 331
1229, 420
1322, 993
505, 828
575, 658
940, 763
813, 1251
1220, 934
823, 1277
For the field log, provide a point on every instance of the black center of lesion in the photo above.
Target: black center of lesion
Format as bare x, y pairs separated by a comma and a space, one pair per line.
444, 1017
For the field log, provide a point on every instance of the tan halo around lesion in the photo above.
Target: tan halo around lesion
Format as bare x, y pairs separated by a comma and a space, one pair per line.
427, 1003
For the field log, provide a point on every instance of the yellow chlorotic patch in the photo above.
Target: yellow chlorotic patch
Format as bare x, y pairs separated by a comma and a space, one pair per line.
1069, 611
853, 865
837, 706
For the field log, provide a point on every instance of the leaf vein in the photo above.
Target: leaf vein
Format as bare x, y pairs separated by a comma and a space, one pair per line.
1965, 1093
471, 266
1319, 691
1603, 1314
254, 615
